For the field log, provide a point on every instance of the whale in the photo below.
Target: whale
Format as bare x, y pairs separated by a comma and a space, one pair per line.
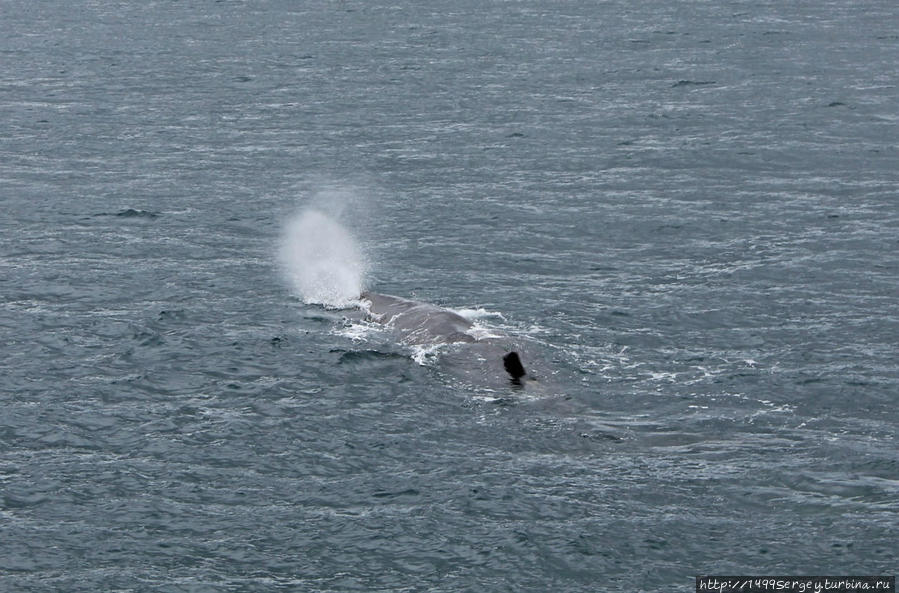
417, 322
424, 324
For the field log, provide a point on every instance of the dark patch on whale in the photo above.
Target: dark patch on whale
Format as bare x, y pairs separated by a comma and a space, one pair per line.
513, 366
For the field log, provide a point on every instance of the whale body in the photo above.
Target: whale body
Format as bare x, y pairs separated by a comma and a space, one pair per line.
421, 323
417, 322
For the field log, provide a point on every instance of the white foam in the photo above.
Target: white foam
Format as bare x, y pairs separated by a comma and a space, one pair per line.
480, 332
356, 331
479, 313
425, 355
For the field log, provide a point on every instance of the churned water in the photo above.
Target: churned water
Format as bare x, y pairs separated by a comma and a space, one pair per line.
685, 211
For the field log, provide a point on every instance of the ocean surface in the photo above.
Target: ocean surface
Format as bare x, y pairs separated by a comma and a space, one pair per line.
686, 213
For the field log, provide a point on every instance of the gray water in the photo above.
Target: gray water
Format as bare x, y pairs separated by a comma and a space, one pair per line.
687, 211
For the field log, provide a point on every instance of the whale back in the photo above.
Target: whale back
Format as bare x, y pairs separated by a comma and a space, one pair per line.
424, 324
418, 323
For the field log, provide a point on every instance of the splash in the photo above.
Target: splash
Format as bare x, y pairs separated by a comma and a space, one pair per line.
321, 261
478, 329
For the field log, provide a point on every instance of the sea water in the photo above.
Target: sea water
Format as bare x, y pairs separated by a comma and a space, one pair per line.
687, 211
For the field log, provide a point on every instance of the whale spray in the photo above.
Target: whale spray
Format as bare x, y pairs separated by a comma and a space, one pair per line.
321, 261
